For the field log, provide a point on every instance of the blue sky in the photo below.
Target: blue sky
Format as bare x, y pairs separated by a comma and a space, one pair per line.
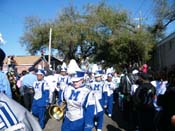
13, 13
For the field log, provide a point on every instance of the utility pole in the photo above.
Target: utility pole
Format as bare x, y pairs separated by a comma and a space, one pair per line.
139, 29
139, 19
50, 39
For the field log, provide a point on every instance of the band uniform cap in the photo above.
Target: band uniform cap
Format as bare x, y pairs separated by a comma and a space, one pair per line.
98, 73
109, 75
40, 71
63, 69
78, 76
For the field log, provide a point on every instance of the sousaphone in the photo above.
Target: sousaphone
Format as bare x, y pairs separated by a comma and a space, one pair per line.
57, 112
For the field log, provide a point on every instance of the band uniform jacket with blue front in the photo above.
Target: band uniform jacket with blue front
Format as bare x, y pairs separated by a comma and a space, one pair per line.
76, 100
41, 97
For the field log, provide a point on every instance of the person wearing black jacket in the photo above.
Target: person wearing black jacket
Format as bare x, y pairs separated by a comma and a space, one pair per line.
166, 119
143, 102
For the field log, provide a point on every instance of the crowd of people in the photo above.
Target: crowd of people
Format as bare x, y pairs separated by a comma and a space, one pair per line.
144, 98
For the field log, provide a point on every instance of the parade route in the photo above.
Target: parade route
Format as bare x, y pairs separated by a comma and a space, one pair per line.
110, 124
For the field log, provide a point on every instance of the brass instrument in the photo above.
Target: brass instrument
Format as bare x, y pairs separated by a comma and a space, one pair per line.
57, 112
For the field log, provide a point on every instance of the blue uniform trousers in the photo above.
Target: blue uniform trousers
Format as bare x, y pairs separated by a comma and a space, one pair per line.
39, 111
89, 118
99, 116
60, 96
68, 125
110, 104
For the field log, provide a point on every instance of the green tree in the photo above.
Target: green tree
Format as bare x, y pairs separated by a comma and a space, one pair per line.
119, 42
164, 12
100, 32
36, 34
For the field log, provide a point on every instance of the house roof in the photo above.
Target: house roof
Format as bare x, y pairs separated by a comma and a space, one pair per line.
25, 60
32, 60
169, 37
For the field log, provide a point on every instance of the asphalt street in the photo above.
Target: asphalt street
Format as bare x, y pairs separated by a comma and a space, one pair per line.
110, 124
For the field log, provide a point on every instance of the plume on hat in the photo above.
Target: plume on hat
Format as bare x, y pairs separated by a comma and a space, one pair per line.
64, 67
72, 67
94, 68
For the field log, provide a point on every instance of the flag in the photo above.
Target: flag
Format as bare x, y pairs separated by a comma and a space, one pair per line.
14, 117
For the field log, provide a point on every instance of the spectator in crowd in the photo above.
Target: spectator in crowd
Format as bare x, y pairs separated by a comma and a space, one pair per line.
27, 85
4, 82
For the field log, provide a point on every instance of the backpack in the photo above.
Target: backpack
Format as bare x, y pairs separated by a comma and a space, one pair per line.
125, 87
144, 95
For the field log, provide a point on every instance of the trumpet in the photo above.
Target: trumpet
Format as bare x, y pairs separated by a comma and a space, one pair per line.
57, 112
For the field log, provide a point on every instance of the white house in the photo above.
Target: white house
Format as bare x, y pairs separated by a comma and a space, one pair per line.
165, 53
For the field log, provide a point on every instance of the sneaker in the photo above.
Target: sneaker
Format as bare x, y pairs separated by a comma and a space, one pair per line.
109, 115
99, 130
95, 123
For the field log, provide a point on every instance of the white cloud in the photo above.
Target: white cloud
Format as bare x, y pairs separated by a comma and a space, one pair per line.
2, 41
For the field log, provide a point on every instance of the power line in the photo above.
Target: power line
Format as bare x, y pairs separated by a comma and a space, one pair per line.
140, 6
149, 11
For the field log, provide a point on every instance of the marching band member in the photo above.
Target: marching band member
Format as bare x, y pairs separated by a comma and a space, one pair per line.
97, 87
109, 88
80, 103
4, 82
41, 98
51, 79
63, 80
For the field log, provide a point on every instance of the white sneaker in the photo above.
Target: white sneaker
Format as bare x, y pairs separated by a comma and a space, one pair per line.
109, 115
95, 123
99, 130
